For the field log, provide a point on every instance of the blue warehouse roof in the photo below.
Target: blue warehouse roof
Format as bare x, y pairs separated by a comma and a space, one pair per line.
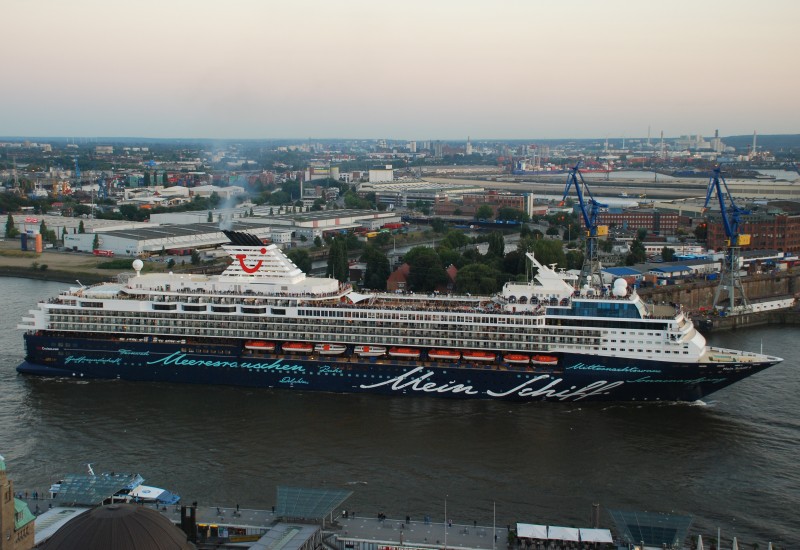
671, 269
623, 271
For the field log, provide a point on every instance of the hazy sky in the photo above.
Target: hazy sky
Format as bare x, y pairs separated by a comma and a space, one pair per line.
416, 69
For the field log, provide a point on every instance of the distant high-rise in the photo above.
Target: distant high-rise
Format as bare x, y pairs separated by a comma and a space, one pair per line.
438, 149
412, 146
468, 149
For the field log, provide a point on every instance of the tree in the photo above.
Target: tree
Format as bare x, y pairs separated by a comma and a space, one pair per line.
96, 242
512, 214
210, 217
456, 239
81, 228
147, 178
484, 212
497, 244
377, 268
251, 211
195, 257
438, 225
11, 230
637, 254
318, 242
338, 265
478, 279
170, 263
641, 234
574, 259
301, 259
667, 254
548, 251
63, 233
701, 232
426, 271
553, 231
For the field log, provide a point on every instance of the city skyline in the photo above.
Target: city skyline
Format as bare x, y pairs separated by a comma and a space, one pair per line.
357, 69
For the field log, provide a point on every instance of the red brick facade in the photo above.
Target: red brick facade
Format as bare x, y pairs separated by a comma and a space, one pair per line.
781, 232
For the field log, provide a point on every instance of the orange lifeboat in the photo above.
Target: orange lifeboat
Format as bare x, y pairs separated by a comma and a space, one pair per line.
544, 360
404, 353
475, 355
444, 354
516, 358
297, 347
259, 345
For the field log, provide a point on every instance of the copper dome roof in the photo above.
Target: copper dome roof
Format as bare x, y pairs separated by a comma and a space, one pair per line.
121, 527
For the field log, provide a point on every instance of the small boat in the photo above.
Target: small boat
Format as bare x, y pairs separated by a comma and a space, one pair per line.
544, 360
405, 353
330, 349
444, 354
259, 345
478, 356
516, 358
122, 488
370, 351
297, 347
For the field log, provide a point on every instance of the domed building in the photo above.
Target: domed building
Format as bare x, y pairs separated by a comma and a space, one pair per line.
122, 527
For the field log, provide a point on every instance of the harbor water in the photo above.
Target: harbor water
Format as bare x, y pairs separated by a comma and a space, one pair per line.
730, 462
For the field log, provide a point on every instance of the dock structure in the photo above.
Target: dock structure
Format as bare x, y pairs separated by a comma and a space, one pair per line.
256, 529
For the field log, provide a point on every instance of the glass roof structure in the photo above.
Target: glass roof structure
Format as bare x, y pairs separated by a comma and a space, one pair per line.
90, 490
654, 529
297, 502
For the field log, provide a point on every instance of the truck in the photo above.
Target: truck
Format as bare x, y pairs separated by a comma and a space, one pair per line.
98, 252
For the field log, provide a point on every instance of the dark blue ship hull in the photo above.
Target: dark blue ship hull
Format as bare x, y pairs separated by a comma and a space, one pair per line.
575, 378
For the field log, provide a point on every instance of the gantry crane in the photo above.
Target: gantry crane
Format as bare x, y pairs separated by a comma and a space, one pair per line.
731, 214
590, 209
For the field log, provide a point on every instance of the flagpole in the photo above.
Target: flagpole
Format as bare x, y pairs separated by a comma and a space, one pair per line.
445, 522
494, 525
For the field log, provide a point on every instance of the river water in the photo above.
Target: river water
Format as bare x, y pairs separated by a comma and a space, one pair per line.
730, 462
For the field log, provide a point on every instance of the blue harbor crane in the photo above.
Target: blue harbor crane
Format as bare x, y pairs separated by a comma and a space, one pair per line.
590, 209
731, 214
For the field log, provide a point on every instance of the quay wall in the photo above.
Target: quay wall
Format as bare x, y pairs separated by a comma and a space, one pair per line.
700, 294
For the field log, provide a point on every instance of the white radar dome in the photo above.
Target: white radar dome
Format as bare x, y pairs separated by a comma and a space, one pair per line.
138, 265
620, 287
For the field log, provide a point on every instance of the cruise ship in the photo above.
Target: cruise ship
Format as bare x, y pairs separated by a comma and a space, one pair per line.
264, 323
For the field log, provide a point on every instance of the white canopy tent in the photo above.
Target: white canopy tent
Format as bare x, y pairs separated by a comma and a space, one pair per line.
531, 531
596, 535
563, 533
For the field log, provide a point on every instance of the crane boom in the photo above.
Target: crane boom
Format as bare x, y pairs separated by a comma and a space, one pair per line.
731, 214
590, 209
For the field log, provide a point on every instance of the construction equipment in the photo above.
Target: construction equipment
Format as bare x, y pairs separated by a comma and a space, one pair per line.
590, 209
730, 279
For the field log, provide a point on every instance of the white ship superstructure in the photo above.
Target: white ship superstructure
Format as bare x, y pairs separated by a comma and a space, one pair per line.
262, 301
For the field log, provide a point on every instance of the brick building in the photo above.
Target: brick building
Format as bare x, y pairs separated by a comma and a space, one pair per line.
775, 232
658, 223
497, 200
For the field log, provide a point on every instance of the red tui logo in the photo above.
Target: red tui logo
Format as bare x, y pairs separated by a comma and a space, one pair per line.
247, 269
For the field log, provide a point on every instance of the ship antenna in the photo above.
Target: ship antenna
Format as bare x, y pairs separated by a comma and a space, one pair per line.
80, 283
89, 467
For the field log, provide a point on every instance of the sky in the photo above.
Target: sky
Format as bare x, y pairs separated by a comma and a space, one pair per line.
416, 69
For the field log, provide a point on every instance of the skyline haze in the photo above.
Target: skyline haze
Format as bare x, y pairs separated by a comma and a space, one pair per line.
416, 70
